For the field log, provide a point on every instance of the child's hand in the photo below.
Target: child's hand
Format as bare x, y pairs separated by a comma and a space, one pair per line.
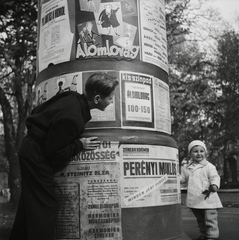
213, 188
90, 143
206, 193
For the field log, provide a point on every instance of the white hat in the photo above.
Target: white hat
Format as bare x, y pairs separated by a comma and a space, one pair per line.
196, 143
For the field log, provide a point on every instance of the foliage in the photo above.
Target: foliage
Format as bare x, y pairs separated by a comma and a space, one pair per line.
204, 88
17, 59
189, 75
191, 95
226, 111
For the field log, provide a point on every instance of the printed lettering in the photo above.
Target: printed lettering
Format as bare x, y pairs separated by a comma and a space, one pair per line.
93, 51
149, 168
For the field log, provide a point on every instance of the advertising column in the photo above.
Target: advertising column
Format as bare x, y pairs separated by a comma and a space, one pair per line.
129, 187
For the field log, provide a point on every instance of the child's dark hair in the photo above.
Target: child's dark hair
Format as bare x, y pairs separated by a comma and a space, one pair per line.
100, 83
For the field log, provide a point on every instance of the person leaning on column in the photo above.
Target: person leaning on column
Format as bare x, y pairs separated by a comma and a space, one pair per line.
54, 136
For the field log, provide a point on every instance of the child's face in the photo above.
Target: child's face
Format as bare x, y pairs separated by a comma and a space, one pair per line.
103, 103
197, 153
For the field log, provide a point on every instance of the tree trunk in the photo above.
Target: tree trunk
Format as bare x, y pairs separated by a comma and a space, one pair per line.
14, 176
11, 149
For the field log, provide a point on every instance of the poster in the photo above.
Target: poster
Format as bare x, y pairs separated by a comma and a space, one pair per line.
59, 84
107, 29
137, 100
68, 221
149, 176
109, 114
162, 106
56, 37
145, 102
88, 190
153, 33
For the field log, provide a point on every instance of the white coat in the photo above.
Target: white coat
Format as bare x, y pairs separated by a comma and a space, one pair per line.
199, 178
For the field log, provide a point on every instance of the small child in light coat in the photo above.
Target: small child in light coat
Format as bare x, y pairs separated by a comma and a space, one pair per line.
203, 184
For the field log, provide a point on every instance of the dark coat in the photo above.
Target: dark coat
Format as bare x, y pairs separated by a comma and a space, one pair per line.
109, 20
58, 124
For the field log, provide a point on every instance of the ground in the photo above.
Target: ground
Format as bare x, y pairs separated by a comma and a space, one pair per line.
7, 212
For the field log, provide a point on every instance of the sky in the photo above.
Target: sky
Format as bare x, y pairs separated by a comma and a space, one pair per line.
228, 10
207, 28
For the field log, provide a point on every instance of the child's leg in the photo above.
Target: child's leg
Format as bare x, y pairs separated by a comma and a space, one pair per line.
200, 215
212, 230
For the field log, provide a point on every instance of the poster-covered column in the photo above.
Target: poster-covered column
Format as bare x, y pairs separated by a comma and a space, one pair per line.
133, 174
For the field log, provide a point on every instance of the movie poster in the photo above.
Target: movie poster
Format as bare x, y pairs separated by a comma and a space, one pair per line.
107, 29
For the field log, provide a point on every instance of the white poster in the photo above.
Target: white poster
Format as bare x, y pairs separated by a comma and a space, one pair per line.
162, 106
138, 102
153, 33
88, 192
149, 176
56, 37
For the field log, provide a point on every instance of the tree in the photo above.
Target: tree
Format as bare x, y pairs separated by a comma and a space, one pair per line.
17, 57
227, 82
225, 117
190, 73
204, 94
203, 80
192, 97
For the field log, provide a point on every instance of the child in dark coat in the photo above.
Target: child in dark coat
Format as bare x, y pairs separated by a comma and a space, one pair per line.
54, 136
